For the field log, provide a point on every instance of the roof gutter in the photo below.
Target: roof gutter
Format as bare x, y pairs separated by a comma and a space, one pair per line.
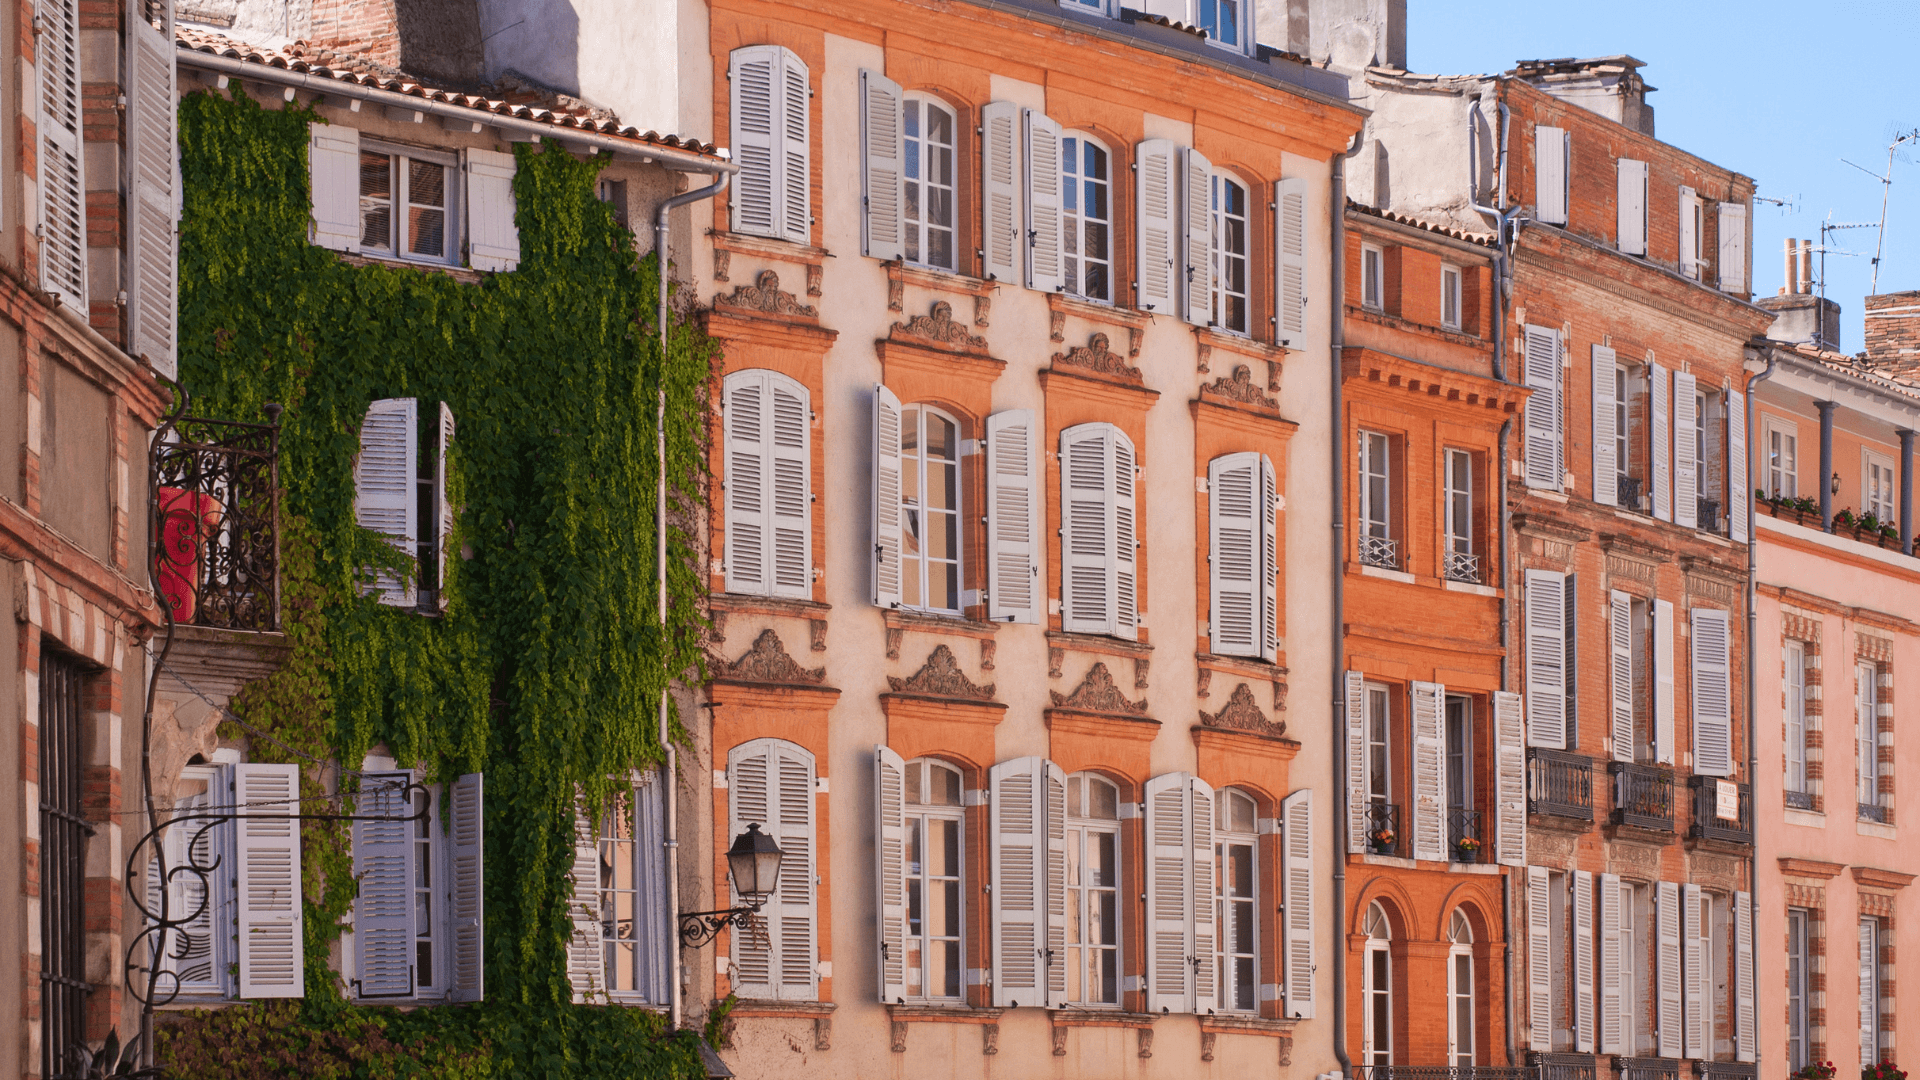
669, 156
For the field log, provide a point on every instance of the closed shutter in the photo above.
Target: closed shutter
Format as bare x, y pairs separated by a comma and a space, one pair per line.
1606, 464
1733, 247
1612, 946
1013, 566
1697, 1009
1021, 843
333, 160
771, 782
1290, 255
385, 490
1297, 921
1620, 655
586, 965
1354, 694
63, 185
752, 74
1126, 546
1510, 779
768, 485
1543, 454
657, 946
882, 175
1712, 694
1551, 169
1096, 493
1667, 1019
890, 871
1662, 456
443, 504
466, 888
1663, 681
1686, 464
1236, 555
1739, 490
886, 498
1546, 659
1000, 189
1539, 961
1632, 202
1269, 506
795, 96
1583, 1018
1429, 771
1689, 232
267, 846
1745, 1035
1196, 238
493, 237
1042, 137
383, 930
152, 311
1206, 931
1158, 209
1169, 893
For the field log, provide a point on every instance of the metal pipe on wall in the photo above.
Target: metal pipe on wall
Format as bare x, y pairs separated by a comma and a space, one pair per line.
1337, 210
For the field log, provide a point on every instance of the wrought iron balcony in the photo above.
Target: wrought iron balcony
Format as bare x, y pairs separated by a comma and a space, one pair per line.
1646, 1068
1874, 812
215, 521
1562, 1066
1726, 1070
1642, 795
1627, 492
1463, 566
1439, 1072
1709, 515
1560, 783
1383, 828
1708, 825
1800, 800
1381, 551
1462, 826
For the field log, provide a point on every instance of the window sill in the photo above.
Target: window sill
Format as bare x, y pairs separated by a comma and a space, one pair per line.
1810, 819
1386, 575
943, 1012
940, 623
750, 244
1874, 828
1468, 587
455, 271
1061, 303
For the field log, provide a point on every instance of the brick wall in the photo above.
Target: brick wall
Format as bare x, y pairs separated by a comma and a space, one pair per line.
1893, 332
368, 27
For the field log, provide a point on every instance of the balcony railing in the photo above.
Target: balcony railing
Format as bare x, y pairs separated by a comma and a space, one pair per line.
1440, 1072
1642, 795
1629, 492
215, 521
1708, 825
1726, 1070
1462, 826
1709, 515
1646, 1068
1383, 828
1800, 800
1873, 812
1560, 783
1562, 1066
1463, 566
1381, 551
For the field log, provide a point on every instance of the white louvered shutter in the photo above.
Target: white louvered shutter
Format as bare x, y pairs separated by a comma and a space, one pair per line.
1097, 497
1869, 996
1354, 695
1712, 694
443, 503
1662, 456
466, 880
63, 185
1739, 489
1632, 204
1001, 181
1013, 566
1546, 619
1606, 464
1543, 412
1583, 1018
586, 964
333, 159
1551, 169
1510, 779
881, 175
1156, 199
1745, 1035
1169, 893
1612, 993
1196, 238
1429, 771
772, 782
1686, 464
1663, 681
887, 510
1042, 139
1667, 1018
1017, 830
493, 237
794, 95
1290, 256
1206, 929
385, 489
752, 75
152, 274
768, 483
1620, 657
1297, 886
1697, 1006
383, 930
890, 871
1269, 506
1733, 247
267, 854
1126, 595
1055, 837
791, 512
1689, 236
1236, 554
657, 947
1539, 961
751, 776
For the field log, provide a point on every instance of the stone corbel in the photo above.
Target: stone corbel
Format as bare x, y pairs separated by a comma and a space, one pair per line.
988, 647
818, 630
899, 1036
1059, 1041
814, 275
1055, 657
989, 1038
823, 1033
1057, 326
1206, 1044
982, 308
895, 635
1145, 1036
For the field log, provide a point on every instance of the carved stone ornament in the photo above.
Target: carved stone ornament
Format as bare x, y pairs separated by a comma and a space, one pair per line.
939, 327
1286, 1050
823, 1033
1273, 376
1059, 1041
1141, 664
1095, 356
1146, 1042
1204, 680
1206, 357
941, 677
1206, 1044
1240, 387
768, 662
1056, 656
1242, 713
895, 635
815, 273
764, 295
1134, 336
899, 1036
988, 647
1097, 693
896, 295
722, 263
817, 629
1057, 326
989, 1038
982, 309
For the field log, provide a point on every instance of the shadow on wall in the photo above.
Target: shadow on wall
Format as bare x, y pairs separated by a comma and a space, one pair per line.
537, 40
441, 40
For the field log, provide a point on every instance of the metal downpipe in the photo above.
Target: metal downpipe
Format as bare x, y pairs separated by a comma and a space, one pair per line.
1337, 339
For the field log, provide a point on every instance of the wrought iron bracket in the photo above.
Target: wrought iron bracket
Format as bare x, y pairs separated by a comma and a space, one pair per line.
699, 927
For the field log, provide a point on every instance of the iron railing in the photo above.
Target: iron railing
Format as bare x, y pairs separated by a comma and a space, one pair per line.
1562, 1066
1381, 551
1726, 1070
1463, 566
1464, 825
1383, 828
1628, 491
1873, 811
1628, 1068
1440, 1072
1800, 800
215, 521
1708, 825
1709, 515
1642, 795
1560, 783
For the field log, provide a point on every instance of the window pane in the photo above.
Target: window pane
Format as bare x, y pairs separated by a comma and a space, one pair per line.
376, 201
426, 209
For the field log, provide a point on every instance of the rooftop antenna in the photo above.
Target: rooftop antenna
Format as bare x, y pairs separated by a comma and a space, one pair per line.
1787, 206
1886, 183
1827, 228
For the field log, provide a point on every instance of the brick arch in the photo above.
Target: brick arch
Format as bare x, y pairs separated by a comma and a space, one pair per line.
1394, 899
1476, 899
1131, 790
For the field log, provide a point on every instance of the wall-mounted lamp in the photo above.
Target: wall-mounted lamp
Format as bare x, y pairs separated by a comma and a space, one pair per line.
754, 864
1835, 484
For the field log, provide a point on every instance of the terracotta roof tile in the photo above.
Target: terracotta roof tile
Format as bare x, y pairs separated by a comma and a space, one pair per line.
1484, 239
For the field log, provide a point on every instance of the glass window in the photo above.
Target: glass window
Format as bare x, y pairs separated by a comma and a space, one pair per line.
1235, 903
1633, 967
1093, 890
1622, 417
1783, 463
1087, 219
934, 906
930, 510
1372, 277
928, 145
1869, 990
1229, 255
1640, 652
1460, 991
405, 203
1379, 727
1450, 297
1460, 505
1221, 19
1375, 500
1866, 741
1877, 481
426, 838
632, 893
1794, 700
1459, 734
1378, 990
1797, 969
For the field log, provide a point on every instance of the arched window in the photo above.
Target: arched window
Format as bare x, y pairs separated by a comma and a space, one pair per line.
1093, 890
1234, 875
933, 860
1229, 242
927, 212
929, 510
1378, 989
1086, 187
1460, 1011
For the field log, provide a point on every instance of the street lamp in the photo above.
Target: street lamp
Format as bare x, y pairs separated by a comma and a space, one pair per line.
753, 862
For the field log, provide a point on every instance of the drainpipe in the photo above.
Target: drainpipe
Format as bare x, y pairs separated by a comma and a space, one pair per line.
1906, 490
1337, 337
1753, 625
1826, 463
669, 767
1506, 892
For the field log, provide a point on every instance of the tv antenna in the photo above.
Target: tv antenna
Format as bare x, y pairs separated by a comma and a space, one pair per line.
1827, 229
1886, 184
1787, 206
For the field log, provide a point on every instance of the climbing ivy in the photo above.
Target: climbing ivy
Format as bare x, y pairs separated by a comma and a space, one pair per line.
546, 668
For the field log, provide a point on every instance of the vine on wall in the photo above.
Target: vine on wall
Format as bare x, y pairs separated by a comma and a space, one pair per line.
545, 670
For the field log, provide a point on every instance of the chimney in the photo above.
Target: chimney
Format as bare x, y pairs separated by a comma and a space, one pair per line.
438, 40
1806, 267
1608, 85
1349, 35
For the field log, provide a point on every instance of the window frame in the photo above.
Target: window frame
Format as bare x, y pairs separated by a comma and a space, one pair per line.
1379, 744
64, 988
1872, 983
1870, 460
1451, 295
915, 232
1221, 256
1074, 221
1458, 950
1623, 384
1456, 462
1376, 464
1772, 428
919, 560
1799, 971
1458, 750
629, 805
1793, 689
1241, 7
1376, 999
917, 814
399, 156
1079, 828
1866, 734
1225, 916
1373, 277
439, 938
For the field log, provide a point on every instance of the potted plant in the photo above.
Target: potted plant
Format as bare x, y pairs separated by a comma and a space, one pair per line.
1467, 848
1382, 841
1883, 1070
1814, 1070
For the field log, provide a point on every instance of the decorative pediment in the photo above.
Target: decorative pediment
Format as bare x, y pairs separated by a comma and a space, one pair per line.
1240, 387
939, 327
768, 662
1097, 693
765, 296
940, 676
1242, 713
1095, 356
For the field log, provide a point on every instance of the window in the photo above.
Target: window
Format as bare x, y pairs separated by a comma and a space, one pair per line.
1462, 564
397, 202
1544, 460
1711, 647
614, 194
64, 830
1866, 741
929, 510
1377, 544
1450, 296
1229, 246
1235, 901
200, 954
1794, 703
1878, 482
934, 969
1869, 990
1799, 967
1463, 821
1629, 640
1222, 20
768, 485
402, 493
1783, 461
1634, 966
1692, 230
1086, 219
1719, 1019
416, 931
928, 208
406, 203
63, 231
1093, 891
1241, 555
635, 935
1373, 278
770, 782
1382, 816
1552, 162
1460, 1011
1703, 463
771, 107
1377, 990
1097, 509
1632, 207
1622, 421
1562, 985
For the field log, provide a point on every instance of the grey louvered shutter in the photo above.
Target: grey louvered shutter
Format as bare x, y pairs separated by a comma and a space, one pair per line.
1697, 1005
1196, 238
442, 505
882, 174
493, 236
1632, 207
1510, 779
1044, 225
1712, 694
1745, 1034
1613, 992
1169, 890
1156, 191
1551, 168
1002, 179
1543, 413
887, 509
385, 485
1354, 695
1546, 622
1290, 257
1126, 595
795, 98
1097, 509
152, 266
1539, 961
1017, 831
1606, 465
1664, 682
1667, 1020
1429, 771
1297, 889
267, 856
1662, 456
63, 185
752, 75
1686, 464
1013, 566
333, 160
466, 918
1620, 672
383, 930
1583, 1018
1739, 490
1236, 555
890, 870
586, 964
748, 498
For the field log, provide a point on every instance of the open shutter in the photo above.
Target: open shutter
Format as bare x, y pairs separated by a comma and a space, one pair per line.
886, 498
1235, 555
200, 952
1290, 256
658, 944
752, 74
1745, 1035
1611, 946
383, 930
1739, 489
1539, 961
1126, 546
1689, 234
442, 504
63, 185
1013, 566
1017, 813
1667, 1019
1583, 1019
789, 513
882, 175
1606, 464
1663, 681
1196, 238
152, 312
1662, 456
1686, 464
1712, 694
1169, 893
1001, 180
493, 237
1697, 1010
1297, 883
795, 96
1733, 247
1156, 191
748, 463
1543, 409
1054, 835
333, 158
586, 965
1620, 640
1269, 506
1042, 136
1550, 171
1429, 771
1510, 779
384, 484
1354, 694
1632, 203
1869, 997
1206, 930
466, 883
1546, 659
267, 843
890, 850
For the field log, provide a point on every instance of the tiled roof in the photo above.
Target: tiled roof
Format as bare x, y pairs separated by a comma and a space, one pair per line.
1483, 239
322, 63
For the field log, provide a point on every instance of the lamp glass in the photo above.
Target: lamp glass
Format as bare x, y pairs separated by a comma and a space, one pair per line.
754, 860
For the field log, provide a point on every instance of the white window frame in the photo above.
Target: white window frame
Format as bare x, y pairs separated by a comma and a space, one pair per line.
1783, 479
432, 836
1243, 22
1461, 1046
400, 156
1080, 831
1226, 255
1376, 465
920, 943
1879, 486
1866, 732
917, 151
190, 892
1793, 692
1376, 1048
917, 563
1458, 463
1231, 908
1107, 8
608, 841
1450, 296
1457, 734
1870, 987
1799, 978
1373, 277
1074, 222
1622, 419
1379, 745
1633, 965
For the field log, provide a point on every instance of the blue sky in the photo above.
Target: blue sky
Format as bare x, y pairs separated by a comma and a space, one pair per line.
1779, 91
